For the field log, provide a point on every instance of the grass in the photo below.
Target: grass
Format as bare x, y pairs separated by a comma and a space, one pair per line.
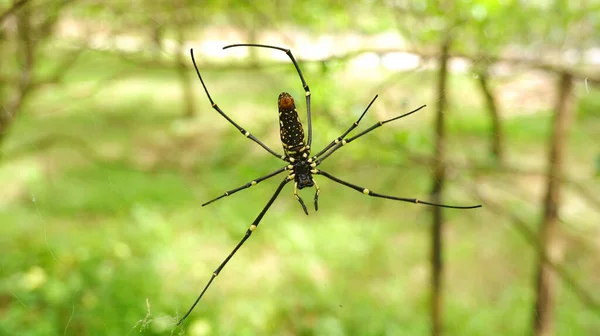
108, 216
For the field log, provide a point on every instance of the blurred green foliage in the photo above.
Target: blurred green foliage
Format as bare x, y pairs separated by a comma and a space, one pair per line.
101, 179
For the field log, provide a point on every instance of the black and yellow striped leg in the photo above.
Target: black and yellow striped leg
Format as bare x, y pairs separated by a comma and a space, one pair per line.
299, 198
252, 227
317, 192
304, 85
354, 125
402, 199
247, 185
346, 141
243, 131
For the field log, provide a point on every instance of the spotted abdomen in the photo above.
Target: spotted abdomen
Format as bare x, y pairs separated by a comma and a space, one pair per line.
290, 127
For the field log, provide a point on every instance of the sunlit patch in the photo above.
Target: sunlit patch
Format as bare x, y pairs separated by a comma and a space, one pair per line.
34, 278
121, 250
161, 325
200, 328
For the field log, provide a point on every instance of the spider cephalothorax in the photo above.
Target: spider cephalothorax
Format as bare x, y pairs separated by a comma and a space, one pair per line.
301, 171
300, 165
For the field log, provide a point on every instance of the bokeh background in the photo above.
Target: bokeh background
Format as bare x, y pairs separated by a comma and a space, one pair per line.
109, 146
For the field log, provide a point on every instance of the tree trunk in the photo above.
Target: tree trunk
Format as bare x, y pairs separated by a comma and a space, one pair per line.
184, 76
497, 138
439, 173
252, 36
156, 33
545, 278
34, 27
13, 8
25, 59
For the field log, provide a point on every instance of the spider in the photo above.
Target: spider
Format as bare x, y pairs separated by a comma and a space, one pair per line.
300, 164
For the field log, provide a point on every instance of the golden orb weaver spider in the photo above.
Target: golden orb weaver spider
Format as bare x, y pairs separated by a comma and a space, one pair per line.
301, 166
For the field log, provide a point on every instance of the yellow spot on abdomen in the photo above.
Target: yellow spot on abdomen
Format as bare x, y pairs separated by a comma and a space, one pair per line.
252, 227
366, 191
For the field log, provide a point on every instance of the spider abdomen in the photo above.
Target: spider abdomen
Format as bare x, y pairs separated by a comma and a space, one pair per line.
290, 127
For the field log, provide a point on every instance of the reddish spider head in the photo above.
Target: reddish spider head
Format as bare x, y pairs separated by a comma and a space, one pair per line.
286, 102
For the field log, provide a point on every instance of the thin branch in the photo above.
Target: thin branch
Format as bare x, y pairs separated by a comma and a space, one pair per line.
582, 294
475, 167
578, 186
592, 78
27, 56
61, 69
18, 4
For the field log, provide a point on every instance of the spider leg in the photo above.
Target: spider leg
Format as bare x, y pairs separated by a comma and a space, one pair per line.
353, 126
348, 140
247, 185
317, 192
402, 199
218, 109
237, 247
304, 85
299, 198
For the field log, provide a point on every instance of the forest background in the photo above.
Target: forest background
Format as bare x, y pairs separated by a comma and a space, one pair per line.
109, 146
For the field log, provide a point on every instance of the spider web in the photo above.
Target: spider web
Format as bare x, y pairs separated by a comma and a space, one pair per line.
167, 321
